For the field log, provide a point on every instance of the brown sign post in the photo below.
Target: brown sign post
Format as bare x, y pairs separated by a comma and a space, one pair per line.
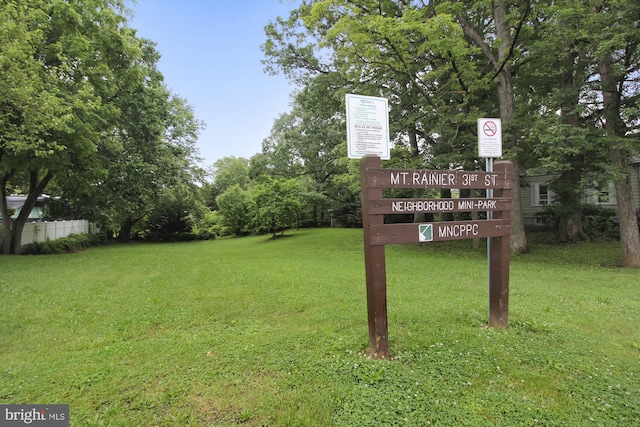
377, 234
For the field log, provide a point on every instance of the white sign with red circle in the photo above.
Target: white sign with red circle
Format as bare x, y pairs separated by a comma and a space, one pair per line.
489, 138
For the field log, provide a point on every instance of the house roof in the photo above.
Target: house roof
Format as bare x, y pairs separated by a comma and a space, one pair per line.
17, 201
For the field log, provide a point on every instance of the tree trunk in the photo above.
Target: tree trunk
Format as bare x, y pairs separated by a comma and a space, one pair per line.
5, 237
568, 190
125, 229
616, 132
6, 223
507, 111
518, 235
629, 235
419, 217
413, 143
12, 229
568, 194
571, 227
15, 242
503, 74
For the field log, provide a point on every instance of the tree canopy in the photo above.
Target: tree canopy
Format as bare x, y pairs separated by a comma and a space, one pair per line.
562, 76
84, 111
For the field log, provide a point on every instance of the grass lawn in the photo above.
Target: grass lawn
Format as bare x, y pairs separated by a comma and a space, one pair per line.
262, 332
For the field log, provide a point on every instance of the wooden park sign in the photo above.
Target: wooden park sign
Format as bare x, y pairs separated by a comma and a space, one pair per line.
377, 234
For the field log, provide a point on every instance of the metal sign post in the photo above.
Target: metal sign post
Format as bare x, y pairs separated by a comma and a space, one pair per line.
490, 147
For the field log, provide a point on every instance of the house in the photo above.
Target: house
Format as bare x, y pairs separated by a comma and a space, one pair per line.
40, 228
15, 203
536, 194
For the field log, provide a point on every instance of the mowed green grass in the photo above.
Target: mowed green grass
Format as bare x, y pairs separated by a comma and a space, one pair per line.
262, 332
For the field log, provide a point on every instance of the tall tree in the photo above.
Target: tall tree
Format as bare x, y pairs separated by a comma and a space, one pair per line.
230, 171
417, 56
567, 70
95, 120
496, 30
155, 151
122, 195
586, 61
234, 204
308, 141
278, 204
618, 59
59, 60
562, 136
226, 172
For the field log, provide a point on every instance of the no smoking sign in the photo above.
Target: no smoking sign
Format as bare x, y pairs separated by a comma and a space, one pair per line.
489, 138
490, 128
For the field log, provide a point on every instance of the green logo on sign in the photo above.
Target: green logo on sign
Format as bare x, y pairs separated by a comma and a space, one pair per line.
425, 232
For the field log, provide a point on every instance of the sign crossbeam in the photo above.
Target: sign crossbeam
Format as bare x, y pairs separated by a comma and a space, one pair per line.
415, 178
410, 206
389, 234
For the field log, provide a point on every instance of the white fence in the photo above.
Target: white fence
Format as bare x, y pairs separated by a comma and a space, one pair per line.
52, 230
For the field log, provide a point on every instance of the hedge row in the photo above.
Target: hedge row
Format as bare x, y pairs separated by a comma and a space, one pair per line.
71, 243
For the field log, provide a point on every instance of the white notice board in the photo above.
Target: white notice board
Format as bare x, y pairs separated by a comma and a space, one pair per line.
489, 138
367, 126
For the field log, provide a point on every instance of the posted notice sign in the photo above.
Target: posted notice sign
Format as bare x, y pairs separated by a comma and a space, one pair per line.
489, 138
367, 126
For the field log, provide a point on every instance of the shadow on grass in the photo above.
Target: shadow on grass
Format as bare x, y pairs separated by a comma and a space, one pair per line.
284, 235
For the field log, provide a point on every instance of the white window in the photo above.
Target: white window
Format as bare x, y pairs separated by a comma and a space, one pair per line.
603, 194
541, 195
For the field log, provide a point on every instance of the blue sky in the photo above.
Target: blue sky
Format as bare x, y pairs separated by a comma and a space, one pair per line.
211, 57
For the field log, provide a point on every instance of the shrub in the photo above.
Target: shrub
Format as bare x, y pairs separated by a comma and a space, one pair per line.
211, 226
234, 209
71, 243
597, 221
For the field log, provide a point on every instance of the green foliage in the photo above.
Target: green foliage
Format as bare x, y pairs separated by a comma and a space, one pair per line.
307, 144
69, 244
56, 208
227, 172
175, 212
84, 112
597, 222
56, 60
343, 191
562, 76
255, 331
157, 156
234, 205
230, 171
278, 204
210, 226
269, 205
